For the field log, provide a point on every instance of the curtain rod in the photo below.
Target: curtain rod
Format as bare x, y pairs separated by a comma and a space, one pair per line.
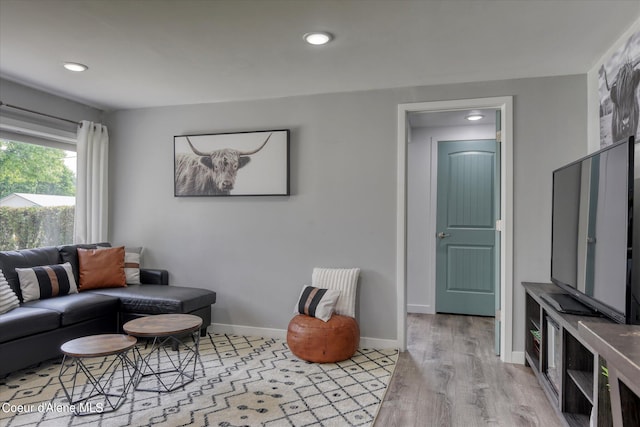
2, 104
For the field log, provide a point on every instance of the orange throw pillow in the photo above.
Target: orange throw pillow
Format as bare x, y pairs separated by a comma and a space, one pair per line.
101, 268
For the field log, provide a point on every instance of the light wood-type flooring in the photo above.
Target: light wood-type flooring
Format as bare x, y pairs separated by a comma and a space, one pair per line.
450, 376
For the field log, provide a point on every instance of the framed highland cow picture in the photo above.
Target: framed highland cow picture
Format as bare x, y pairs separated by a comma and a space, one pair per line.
232, 164
618, 84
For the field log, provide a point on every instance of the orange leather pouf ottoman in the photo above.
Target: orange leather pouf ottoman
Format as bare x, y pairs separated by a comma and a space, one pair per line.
313, 340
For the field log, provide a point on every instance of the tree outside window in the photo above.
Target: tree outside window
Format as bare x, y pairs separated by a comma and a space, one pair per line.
26, 220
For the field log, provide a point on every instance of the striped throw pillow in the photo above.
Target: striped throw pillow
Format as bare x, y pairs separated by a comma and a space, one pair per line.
132, 264
316, 302
344, 280
8, 298
132, 256
46, 281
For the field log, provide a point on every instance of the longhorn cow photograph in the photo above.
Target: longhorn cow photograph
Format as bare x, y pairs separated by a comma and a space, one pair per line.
232, 164
619, 89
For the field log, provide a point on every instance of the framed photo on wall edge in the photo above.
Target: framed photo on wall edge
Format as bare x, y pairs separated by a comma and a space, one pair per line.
232, 164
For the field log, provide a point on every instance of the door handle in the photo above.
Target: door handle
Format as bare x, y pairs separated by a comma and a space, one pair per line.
443, 235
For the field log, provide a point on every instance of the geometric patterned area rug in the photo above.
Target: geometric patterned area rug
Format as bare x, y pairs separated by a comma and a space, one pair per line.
242, 381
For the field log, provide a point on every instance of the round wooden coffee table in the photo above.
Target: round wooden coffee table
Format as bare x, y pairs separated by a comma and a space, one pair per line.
105, 388
170, 363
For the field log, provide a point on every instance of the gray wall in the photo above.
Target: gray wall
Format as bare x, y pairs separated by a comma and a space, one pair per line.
257, 252
33, 99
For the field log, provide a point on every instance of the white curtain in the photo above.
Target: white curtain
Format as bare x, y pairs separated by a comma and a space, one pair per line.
92, 183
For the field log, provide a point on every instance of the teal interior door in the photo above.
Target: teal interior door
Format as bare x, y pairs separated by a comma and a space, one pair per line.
467, 209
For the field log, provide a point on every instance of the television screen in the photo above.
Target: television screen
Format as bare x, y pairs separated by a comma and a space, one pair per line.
590, 250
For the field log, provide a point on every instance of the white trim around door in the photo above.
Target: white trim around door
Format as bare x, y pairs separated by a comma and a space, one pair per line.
505, 105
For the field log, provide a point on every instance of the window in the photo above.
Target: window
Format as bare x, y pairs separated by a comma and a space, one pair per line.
37, 195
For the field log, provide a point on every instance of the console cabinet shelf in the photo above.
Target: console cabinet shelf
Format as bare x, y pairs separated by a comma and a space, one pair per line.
589, 367
567, 367
618, 347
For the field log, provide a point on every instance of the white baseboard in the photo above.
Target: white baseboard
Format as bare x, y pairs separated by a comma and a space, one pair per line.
222, 328
251, 331
377, 343
420, 309
517, 357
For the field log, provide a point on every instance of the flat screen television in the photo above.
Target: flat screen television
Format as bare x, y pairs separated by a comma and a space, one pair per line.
592, 238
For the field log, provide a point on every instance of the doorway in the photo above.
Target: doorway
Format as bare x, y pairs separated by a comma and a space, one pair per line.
504, 290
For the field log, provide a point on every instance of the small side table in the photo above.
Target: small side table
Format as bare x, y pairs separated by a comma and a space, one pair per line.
107, 382
171, 362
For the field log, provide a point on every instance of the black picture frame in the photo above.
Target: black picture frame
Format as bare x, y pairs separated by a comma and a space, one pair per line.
252, 163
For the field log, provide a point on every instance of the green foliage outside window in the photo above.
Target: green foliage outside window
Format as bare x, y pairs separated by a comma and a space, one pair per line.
33, 227
35, 169
29, 168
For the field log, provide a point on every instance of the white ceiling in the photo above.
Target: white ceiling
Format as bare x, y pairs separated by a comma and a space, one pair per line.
145, 53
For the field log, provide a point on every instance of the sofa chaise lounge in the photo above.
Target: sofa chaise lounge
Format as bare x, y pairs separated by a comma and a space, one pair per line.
34, 331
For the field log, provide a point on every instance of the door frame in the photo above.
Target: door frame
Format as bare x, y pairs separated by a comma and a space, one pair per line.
505, 105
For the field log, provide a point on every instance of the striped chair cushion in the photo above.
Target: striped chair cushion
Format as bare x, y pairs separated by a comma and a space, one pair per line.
344, 280
46, 281
317, 302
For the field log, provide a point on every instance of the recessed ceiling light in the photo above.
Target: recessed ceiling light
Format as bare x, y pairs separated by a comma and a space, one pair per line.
74, 66
318, 38
474, 116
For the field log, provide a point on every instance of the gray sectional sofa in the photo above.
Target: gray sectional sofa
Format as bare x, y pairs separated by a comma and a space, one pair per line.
34, 331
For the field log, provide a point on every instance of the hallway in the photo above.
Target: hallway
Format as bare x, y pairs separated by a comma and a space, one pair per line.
450, 376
